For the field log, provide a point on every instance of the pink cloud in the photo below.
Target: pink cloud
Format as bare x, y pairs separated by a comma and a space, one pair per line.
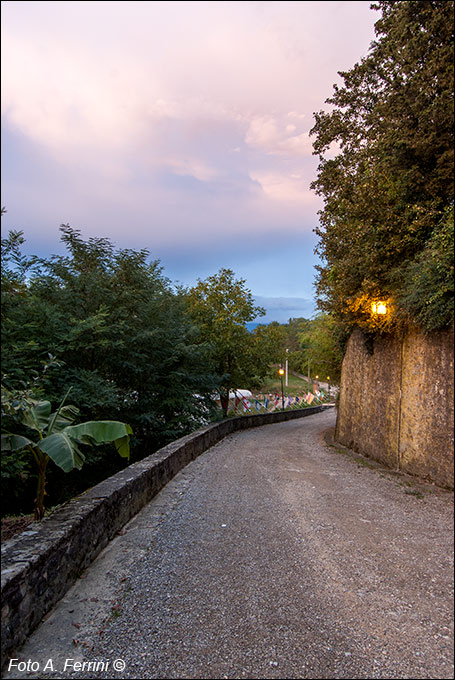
196, 113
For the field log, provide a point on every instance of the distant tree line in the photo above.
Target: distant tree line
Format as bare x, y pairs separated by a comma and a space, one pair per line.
310, 346
386, 175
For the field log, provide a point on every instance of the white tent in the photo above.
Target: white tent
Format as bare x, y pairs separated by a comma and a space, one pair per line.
240, 393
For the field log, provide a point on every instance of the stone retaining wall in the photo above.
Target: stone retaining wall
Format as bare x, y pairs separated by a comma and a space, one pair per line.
39, 565
396, 403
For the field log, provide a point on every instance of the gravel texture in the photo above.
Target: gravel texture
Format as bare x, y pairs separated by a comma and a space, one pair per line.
275, 554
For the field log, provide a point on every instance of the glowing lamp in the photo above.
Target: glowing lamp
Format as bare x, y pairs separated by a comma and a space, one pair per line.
379, 308
281, 372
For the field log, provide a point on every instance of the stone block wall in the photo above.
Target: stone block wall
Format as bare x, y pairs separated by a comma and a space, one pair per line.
39, 565
396, 404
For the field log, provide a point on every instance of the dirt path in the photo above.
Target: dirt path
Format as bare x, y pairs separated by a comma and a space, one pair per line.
273, 555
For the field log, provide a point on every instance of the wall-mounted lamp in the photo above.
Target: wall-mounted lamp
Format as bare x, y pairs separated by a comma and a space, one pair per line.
379, 308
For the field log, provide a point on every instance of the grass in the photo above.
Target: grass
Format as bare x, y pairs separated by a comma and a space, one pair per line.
414, 492
361, 462
295, 387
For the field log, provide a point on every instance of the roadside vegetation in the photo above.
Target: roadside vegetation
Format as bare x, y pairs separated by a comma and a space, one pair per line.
107, 324
143, 362
386, 176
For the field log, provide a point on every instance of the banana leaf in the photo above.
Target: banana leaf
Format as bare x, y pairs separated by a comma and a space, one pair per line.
63, 418
37, 417
102, 432
15, 442
62, 447
63, 450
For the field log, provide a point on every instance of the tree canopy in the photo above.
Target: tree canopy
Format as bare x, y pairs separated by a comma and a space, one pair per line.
386, 174
221, 307
121, 335
124, 341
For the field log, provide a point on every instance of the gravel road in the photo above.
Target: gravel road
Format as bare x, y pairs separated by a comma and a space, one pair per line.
274, 555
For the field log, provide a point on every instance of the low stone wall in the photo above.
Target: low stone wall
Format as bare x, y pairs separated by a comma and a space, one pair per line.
396, 403
39, 565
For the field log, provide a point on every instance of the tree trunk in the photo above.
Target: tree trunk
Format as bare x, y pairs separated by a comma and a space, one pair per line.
42, 461
224, 400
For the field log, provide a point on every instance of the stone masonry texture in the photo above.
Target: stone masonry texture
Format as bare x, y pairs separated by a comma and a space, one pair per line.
396, 403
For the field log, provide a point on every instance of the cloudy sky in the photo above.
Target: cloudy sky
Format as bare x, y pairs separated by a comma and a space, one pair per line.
181, 127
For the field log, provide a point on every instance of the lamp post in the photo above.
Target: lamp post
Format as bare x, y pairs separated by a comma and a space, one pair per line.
281, 372
328, 385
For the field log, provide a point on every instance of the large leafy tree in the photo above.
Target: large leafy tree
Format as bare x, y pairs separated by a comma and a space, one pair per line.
120, 332
282, 342
386, 172
221, 307
124, 343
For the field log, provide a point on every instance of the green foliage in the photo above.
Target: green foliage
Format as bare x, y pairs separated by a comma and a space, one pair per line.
268, 347
221, 307
316, 345
51, 436
428, 286
284, 342
124, 341
386, 171
295, 387
122, 336
323, 340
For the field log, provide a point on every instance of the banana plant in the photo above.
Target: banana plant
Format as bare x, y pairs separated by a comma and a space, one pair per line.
57, 439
